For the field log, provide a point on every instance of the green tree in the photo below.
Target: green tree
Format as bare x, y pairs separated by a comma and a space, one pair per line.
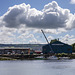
53, 40
73, 47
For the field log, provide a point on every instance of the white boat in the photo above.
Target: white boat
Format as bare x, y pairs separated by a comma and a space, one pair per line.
39, 57
52, 57
58, 58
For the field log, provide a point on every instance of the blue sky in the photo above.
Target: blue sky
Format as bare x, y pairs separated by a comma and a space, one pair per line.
38, 4
20, 29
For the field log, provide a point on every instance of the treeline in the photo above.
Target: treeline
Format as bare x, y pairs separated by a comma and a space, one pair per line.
21, 45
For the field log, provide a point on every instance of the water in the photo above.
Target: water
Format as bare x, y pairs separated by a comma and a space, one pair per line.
38, 67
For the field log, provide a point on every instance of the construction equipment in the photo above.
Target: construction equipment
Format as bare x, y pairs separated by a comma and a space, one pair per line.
48, 42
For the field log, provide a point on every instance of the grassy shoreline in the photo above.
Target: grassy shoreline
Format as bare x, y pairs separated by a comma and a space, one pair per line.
6, 58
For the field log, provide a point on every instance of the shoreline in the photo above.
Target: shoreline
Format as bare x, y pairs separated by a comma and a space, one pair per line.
59, 58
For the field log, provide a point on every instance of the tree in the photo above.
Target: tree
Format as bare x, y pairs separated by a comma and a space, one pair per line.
73, 47
54, 40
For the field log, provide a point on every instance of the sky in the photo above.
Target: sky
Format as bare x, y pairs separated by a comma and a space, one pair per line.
21, 21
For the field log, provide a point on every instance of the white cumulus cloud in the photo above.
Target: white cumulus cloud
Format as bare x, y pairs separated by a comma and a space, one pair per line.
52, 16
19, 20
69, 39
72, 1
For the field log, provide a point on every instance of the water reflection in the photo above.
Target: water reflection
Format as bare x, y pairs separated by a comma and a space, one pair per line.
37, 67
61, 67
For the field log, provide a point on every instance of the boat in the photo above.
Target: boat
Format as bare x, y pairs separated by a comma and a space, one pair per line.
39, 57
52, 57
57, 58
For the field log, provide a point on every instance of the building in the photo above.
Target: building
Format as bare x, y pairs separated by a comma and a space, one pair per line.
56, 47
16, 50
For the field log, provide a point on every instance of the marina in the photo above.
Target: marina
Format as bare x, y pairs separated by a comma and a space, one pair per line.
37, 37
55, 50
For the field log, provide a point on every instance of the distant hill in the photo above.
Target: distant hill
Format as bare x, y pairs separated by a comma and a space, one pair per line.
31, 46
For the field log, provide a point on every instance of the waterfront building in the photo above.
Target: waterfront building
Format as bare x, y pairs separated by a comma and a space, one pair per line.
16, 50
56, 47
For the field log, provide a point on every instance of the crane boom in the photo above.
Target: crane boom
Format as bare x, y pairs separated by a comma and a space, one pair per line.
45, 36
47, 41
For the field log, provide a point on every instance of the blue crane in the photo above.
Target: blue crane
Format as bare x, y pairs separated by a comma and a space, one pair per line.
47, 42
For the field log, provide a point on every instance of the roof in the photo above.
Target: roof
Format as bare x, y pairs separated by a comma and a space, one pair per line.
14, 48
58, 43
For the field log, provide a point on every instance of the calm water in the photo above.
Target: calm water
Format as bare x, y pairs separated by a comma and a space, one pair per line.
38, 67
